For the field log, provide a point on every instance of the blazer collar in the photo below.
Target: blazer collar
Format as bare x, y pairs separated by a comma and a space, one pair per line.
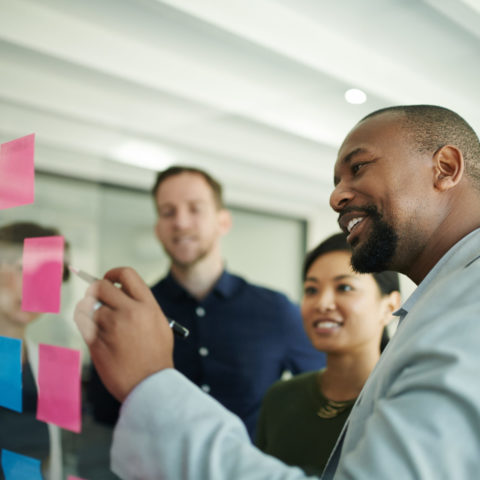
465, 252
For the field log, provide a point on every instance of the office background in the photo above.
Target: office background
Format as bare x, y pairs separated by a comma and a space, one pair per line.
254, 91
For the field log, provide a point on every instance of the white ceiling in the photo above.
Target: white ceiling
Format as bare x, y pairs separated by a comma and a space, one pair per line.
250, 89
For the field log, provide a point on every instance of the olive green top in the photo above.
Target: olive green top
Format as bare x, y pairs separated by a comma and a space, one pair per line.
298, 425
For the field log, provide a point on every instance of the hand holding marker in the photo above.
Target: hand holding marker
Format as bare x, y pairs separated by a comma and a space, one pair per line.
178, 329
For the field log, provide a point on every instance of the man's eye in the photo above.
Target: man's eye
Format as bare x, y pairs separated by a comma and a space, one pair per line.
356, 167
344, 288
196, 207
166, 213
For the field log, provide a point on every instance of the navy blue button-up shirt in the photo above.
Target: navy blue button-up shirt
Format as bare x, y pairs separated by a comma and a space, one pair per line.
242, 338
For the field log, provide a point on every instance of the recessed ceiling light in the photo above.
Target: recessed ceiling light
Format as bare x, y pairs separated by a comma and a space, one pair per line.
355, 96
143, 154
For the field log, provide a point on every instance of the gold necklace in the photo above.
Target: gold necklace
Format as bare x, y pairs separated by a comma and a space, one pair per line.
330, 408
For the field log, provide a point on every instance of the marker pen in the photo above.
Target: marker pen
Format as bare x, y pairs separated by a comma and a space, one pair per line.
178, 329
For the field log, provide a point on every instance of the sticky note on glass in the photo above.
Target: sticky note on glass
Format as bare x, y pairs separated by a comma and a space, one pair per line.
42, 274
17, 172
59, 390
11, 373
20, 467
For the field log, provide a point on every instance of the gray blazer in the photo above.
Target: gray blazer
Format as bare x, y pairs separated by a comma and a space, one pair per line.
418, 416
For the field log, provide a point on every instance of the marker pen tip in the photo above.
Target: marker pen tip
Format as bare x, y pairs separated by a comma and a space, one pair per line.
73, 269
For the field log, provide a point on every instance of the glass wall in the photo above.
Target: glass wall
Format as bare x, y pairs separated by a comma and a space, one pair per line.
109, 226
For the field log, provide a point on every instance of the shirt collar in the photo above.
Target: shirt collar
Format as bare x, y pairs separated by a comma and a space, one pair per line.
226, 285
174, 289
433, 273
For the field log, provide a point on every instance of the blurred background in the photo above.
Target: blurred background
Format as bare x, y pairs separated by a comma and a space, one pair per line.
258, 92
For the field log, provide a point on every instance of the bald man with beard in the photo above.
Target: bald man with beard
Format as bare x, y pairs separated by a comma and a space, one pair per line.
407, 193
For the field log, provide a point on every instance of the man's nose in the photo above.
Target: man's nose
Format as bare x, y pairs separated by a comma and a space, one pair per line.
182, 218
340, 197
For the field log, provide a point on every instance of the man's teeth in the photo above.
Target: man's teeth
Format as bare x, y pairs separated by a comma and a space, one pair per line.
353, 222
326, 324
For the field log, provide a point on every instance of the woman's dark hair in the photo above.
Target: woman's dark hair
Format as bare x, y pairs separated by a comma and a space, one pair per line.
16, 233
387, 281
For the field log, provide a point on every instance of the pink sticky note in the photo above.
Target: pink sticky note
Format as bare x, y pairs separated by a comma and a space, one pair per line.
42, 274
59, 390
17, 172
73, 477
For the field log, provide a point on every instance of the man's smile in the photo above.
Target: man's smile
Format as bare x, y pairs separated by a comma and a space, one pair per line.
350, 220
353, 223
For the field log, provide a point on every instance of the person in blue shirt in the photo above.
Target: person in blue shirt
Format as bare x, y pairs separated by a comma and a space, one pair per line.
242, 336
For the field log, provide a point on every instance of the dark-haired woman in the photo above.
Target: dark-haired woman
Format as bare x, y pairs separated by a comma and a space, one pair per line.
345, 315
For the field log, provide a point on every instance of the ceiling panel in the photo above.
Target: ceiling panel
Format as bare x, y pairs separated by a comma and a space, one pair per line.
250, 89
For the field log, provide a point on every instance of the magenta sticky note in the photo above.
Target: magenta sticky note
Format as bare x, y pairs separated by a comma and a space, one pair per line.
59, 390
42, 272
17, 172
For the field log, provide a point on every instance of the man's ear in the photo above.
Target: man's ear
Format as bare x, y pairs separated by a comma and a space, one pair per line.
449, 167
224, 220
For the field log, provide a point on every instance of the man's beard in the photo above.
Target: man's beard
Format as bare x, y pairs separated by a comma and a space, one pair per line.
202, 252
376, 254
185, 265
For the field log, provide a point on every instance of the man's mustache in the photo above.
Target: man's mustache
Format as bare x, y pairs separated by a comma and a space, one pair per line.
371, 210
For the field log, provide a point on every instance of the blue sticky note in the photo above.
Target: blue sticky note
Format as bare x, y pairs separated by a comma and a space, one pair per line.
20, 467
11, 373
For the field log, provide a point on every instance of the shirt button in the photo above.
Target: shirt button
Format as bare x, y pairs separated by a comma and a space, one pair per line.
203, 351
205, 388
200, 311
